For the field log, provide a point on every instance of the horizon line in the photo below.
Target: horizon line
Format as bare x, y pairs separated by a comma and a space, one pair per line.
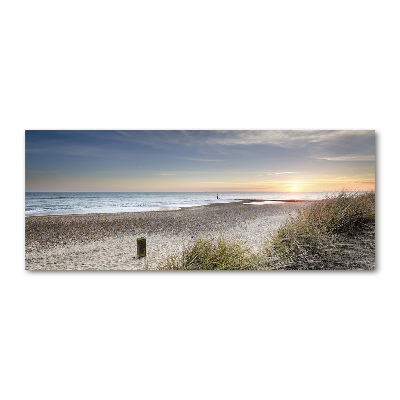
201, 191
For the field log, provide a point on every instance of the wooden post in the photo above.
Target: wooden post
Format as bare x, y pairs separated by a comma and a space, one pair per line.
141, 247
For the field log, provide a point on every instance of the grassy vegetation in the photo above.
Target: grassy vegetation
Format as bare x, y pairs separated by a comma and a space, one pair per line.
328, 233
321, 234
214, 254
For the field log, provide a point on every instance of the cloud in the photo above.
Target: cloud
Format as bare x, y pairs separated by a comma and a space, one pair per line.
69, 150
199, 159
282, 138
208, 182
248, 188
221, 140
351, 157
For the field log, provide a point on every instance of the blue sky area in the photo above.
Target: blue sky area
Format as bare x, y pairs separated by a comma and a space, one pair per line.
276, 161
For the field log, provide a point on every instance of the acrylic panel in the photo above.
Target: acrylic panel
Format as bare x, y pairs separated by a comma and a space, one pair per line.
200, 200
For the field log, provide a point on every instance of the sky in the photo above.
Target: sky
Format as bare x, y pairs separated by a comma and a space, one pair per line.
216, 161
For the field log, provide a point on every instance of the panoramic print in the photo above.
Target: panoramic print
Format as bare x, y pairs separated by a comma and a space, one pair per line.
199, 200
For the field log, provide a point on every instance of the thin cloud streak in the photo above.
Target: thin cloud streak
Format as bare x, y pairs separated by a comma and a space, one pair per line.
350, 158
199, 159
288, 138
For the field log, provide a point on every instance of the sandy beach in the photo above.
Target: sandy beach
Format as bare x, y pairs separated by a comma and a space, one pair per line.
108, 241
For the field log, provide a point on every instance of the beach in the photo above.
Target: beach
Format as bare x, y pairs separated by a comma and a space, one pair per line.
108, 241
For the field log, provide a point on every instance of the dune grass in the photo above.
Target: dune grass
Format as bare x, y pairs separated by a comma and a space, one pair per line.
320, 232
318, 236
214, 254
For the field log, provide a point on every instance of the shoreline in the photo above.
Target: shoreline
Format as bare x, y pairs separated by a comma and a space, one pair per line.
105, 241
241, 201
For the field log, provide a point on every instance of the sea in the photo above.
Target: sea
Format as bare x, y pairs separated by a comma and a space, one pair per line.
63, 203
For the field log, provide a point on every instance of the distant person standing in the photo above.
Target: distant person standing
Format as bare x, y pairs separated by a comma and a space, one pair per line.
217, 196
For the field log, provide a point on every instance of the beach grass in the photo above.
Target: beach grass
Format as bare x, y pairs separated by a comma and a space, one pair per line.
214, 254
321, 233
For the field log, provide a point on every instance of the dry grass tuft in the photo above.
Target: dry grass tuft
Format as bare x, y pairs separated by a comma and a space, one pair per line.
321, 234
214, 254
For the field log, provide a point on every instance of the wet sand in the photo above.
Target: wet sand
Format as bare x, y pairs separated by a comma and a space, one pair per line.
108, 241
